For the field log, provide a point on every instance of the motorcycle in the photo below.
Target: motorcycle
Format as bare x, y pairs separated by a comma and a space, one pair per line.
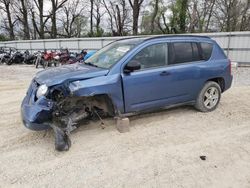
29, 58
81, 57
5, 54
16, 58
39, 59
49, 58
64, 56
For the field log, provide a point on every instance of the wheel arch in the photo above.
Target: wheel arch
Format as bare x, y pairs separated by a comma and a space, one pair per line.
220, 81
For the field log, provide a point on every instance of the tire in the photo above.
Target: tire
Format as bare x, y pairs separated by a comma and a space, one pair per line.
209, 97
37, 62
9, 62
45, 64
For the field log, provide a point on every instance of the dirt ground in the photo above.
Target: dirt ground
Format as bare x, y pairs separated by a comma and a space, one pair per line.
162, 149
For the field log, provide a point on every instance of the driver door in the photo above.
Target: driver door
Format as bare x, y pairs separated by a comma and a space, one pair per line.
146, 88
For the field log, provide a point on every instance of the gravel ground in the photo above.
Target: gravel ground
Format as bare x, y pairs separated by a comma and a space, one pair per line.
161, 150
241, 76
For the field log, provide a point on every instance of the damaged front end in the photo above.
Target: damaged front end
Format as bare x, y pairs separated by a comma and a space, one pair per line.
55, 107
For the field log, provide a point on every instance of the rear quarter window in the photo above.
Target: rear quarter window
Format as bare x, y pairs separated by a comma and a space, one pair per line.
206, 49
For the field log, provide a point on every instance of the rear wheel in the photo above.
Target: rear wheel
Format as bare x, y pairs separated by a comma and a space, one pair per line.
209, 97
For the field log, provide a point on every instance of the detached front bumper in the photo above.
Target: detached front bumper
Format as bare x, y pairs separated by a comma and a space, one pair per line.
36, 113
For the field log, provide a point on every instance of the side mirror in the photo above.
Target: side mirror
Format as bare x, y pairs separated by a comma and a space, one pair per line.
132, 66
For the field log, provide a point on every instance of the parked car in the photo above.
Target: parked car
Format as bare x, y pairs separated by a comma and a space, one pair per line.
127, 77
89, 54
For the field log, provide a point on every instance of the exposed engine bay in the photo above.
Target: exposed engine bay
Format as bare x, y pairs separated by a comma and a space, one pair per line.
69, 112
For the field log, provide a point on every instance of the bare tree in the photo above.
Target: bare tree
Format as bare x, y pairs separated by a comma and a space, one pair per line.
228, 14
118, 16
200, 13
21, 10
110, 13
43, 19
155, 12
245, 19
72, 13
136, 6
97, 15
56, 5
91, 16
9, 26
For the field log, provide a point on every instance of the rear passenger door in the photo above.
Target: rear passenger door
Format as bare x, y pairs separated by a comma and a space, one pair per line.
184, 65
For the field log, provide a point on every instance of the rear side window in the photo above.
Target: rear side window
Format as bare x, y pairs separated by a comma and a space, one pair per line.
206, 49
185, 52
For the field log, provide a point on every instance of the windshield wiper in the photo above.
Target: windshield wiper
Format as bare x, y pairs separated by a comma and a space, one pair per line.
90, 64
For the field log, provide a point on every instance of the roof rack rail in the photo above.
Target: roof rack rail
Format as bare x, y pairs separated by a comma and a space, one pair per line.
177, 35
129, 37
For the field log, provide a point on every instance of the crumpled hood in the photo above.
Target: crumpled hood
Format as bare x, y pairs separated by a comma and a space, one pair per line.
72, 72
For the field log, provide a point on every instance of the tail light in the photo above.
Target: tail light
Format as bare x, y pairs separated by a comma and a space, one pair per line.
230, 66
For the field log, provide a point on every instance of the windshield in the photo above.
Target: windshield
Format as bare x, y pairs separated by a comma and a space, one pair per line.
109, 55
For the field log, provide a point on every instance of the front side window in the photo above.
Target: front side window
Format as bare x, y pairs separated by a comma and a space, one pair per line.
152, 56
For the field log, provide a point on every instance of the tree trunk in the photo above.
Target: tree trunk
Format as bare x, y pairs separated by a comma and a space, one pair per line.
136, 5
10, 23
183, 15
53, 20
210, 15
120, 26
156, 7
41, 29
91, 16
25, 20
136, 11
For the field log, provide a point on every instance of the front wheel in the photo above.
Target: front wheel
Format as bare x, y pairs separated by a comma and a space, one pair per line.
209, 97
45, 64
9, 62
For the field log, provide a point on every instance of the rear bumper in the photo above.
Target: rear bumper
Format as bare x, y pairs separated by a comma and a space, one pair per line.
228, 82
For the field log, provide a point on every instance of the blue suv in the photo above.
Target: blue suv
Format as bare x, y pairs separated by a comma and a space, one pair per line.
126, 77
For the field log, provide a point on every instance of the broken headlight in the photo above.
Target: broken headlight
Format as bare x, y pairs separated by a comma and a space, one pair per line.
41, 91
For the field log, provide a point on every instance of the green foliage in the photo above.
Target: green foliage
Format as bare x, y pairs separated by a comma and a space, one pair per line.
176, 23
3, 37
96, 33
179, 15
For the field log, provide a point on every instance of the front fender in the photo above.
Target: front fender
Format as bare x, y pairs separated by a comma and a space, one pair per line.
109, 85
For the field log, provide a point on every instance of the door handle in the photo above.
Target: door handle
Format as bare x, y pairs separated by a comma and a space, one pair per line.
164, 73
